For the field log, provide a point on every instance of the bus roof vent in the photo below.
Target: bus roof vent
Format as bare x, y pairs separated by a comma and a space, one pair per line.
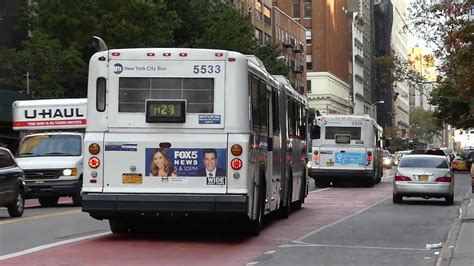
256, 61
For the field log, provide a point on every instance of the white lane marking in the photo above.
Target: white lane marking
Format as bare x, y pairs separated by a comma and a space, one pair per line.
43, 247
342, 219
355, 247
319, 190
251, 263
270, 252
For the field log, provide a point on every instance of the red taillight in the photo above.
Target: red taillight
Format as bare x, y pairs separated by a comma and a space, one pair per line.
219, 54
150, 54
444, 179
93, 181
231, 59
236, 164
94, 162
166, 54
183, 54
115, 54
402, 178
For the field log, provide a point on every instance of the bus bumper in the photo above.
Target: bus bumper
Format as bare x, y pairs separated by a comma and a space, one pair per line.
104, 206
315, 173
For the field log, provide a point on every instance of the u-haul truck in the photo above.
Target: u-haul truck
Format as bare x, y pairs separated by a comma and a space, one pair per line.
50, 152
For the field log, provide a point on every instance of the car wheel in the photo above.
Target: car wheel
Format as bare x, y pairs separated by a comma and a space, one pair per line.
118, 226
77, 200
16, 209
48, 201
397, 199
449, 200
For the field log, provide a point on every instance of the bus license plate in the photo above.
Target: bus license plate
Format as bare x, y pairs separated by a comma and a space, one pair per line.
132, 179
329, 163
423, 178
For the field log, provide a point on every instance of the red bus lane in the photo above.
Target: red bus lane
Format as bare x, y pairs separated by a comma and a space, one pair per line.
321, 208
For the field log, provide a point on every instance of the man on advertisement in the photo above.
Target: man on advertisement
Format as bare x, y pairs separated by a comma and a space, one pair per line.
210, 163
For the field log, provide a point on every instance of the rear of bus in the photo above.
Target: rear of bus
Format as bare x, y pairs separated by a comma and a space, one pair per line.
344, 150
159, 119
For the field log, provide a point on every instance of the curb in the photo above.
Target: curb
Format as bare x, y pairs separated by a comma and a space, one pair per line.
446, 253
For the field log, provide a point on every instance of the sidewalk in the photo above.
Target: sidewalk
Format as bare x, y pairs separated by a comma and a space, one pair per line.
459, 248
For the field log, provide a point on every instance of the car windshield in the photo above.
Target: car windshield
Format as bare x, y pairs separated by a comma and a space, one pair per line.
50, 145
423, 162
386, 154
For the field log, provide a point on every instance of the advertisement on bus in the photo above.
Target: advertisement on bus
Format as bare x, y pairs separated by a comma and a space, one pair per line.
198, 162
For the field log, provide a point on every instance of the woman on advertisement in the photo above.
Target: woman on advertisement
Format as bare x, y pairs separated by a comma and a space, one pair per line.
160, 165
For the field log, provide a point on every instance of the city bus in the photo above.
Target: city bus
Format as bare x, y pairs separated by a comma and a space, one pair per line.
345, 147
191, 131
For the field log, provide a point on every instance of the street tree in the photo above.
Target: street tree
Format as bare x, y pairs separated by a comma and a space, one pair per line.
66, 29
424, 124
445, 27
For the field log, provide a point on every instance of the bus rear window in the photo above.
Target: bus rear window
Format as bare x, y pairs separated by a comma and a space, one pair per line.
199, 93
354, 132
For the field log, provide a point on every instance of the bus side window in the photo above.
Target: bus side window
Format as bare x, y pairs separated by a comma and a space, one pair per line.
291, 118
315, 132
101, 89
255, 103
275, 111
262, 98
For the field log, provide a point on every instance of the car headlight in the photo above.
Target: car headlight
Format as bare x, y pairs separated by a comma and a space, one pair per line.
386, 161
70, 171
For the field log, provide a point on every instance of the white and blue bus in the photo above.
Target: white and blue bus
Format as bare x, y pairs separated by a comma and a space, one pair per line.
175, 130
345, 147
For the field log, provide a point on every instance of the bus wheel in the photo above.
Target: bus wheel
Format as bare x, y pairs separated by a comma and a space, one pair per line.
322, 182
370, 182
118, 226
255, 226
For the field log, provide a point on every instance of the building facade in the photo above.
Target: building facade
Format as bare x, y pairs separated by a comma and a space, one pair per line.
399, 41
289, 35
328, 53
362, 52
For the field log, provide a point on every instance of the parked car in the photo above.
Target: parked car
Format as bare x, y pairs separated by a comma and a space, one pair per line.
427, 176
12, 184
459, 164
387, 159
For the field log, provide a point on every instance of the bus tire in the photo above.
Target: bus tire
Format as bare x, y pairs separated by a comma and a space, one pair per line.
255, 226
285, 210
118, 226
322, 182
370, 182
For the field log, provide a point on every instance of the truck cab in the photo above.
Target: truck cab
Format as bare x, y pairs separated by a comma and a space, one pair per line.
51, 149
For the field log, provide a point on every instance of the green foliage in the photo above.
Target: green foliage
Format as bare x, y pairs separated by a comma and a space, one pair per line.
445, 28
424, 124
61, 45
48, 64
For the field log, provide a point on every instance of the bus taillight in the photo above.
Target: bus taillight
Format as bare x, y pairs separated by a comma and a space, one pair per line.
183, 54
219, 54
236, 164
150, 54
94, 162
166, 54
369, 157
115, 54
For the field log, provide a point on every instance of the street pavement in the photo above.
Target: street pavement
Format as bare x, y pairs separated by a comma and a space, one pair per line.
459, 248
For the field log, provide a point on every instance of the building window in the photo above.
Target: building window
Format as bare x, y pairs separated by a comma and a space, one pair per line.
266, 15
258, 34
307, 10
268, 39
308, 36
296, 10
309, 65
308, 86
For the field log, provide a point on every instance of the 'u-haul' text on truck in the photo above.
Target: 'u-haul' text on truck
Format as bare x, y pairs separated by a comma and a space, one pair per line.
50, 152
